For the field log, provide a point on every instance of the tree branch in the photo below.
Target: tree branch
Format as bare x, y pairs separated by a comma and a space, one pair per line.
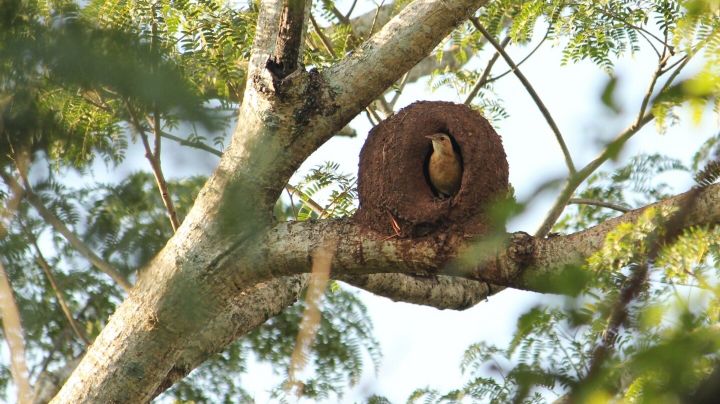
526, 83
42, 262
486, 73
289, 245
154, 159
13, 331
594, 202
663, 235
286, 57
440, 292
401, 43
70, 236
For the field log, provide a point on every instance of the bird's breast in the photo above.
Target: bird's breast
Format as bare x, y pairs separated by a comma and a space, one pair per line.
445, 173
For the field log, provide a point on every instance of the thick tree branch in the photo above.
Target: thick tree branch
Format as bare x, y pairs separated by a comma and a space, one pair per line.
401, 43
440, 292
289, 245
214, 254
286, 57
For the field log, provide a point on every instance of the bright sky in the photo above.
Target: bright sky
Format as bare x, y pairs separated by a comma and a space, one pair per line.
423, 346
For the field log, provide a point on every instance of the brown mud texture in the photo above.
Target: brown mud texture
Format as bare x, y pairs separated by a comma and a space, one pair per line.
395, 195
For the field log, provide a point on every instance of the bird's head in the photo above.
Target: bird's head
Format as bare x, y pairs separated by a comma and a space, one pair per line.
440, 141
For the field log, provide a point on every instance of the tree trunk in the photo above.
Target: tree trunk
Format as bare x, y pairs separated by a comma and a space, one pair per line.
212, 257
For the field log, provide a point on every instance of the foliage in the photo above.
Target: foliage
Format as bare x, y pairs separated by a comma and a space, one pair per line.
81, 82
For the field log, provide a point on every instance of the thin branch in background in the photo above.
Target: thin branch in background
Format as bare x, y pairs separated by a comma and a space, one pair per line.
651, 87
520, 63
486, 73
60, 227
373, 117
11, 320
314, 206
613, 147
292, 203
12, 328
324, 39
45, 266
345, 20
374, 21
327, 212
59, 340
193, 144
322, 258
663, 235
642, 32
349, 13
574, 181
603, 204
202, 146
543, 109
399, 90
155, 164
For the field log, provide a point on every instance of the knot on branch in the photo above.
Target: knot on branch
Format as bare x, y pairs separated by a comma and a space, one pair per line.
521, 248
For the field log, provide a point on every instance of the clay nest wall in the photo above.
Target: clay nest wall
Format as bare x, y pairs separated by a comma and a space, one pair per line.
393, 185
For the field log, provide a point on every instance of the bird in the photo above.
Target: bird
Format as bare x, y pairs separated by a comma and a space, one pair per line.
444, 167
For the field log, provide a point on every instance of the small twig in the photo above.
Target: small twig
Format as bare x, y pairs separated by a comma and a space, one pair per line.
155, 165
594, 202
486, 73
521, 62
574, 181
45, 266
374, 117
642, 32
349, 13
335, 200
532, 92
400, 89
324, 39
193, 144
60, 227
384, 106
374, 21
610, 150
319, 210
343, 19
651, 88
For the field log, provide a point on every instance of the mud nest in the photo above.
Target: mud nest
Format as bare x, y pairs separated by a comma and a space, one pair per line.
394, 191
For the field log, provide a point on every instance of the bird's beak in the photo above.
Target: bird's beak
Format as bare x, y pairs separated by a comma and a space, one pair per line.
432, 137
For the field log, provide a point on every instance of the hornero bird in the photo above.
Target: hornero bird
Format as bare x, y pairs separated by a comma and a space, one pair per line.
444, 167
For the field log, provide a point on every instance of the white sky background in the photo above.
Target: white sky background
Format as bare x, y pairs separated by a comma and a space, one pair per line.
423, 346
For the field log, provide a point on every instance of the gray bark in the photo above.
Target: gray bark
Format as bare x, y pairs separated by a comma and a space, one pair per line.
230, 266
213, 255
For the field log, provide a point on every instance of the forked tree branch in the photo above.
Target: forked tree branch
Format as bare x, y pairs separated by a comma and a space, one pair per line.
154, 159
